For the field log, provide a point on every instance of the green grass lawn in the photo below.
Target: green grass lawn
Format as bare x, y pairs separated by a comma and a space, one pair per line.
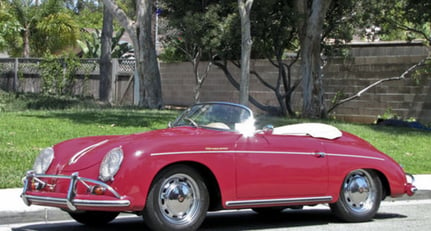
24, 133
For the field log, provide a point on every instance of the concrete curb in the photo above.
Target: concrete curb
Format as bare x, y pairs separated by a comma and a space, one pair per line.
13, 210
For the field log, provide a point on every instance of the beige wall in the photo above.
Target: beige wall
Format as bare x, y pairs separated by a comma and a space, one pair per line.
405, 98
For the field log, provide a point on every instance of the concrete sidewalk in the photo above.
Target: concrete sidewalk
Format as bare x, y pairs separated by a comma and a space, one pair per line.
13, 209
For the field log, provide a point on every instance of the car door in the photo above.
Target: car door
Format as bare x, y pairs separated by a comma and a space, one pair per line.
279, 166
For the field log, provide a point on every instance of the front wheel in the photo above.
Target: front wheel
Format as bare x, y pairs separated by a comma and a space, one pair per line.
359, 198
93, 218
178, 200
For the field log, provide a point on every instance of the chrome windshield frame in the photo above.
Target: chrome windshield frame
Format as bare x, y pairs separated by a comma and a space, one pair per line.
186, 114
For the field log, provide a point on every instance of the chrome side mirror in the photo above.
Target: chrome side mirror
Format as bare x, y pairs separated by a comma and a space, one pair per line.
267, 129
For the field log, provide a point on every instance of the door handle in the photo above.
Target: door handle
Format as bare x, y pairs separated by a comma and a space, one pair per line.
319, 154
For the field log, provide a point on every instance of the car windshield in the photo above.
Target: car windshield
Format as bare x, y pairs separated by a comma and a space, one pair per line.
225, 116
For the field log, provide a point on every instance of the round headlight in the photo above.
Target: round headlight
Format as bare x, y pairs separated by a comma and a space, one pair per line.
43, 161
111, 164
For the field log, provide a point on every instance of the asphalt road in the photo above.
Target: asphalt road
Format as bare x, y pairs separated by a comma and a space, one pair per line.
393, 215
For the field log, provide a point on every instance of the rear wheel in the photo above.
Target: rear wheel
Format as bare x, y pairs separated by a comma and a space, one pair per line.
359, 198
178, 200
93, 218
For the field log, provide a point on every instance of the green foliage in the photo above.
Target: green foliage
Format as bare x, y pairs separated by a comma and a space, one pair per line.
405, 19
88, 17
339, 95
423, 73
171, 51
9, 102
120, 49
9, 29
46, 27
91, 46
274, 28
12, 102
58, 74
54, 33
197, 29
2, 101
389, 114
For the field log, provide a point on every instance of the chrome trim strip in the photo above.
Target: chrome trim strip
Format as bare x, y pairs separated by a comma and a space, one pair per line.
227, 151
262, 152
78, 202
354, 156
272, 202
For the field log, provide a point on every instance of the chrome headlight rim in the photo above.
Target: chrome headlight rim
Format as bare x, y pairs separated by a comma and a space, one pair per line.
110, 164
43, 160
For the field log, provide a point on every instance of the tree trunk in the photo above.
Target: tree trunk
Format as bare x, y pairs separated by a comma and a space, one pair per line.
150, 70
105, 58
246, 42
310, 37
26, 38
200, 77
145, 51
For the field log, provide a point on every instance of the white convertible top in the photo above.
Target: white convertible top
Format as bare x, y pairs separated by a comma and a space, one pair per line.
317, 130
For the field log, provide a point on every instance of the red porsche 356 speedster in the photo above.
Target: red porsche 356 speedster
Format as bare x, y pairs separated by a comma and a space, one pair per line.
212, 158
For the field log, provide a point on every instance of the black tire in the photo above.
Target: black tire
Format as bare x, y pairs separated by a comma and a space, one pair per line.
178, 200
93, 218
360, 197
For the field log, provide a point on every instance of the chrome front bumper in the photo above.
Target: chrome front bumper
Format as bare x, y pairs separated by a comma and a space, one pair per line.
69, 200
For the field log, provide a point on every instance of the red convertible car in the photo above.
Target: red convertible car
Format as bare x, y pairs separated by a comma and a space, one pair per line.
212, 158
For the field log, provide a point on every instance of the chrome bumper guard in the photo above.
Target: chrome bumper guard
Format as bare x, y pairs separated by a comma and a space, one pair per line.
70, 200
410, 188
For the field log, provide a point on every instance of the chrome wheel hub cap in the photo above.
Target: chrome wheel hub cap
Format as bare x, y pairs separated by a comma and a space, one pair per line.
358, 192
179, 199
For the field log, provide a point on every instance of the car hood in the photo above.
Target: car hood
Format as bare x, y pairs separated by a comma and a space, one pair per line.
82, 153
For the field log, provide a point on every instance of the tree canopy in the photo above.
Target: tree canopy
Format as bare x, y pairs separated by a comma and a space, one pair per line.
38, 28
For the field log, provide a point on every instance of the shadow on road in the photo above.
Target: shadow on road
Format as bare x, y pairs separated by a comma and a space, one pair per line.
225, 220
